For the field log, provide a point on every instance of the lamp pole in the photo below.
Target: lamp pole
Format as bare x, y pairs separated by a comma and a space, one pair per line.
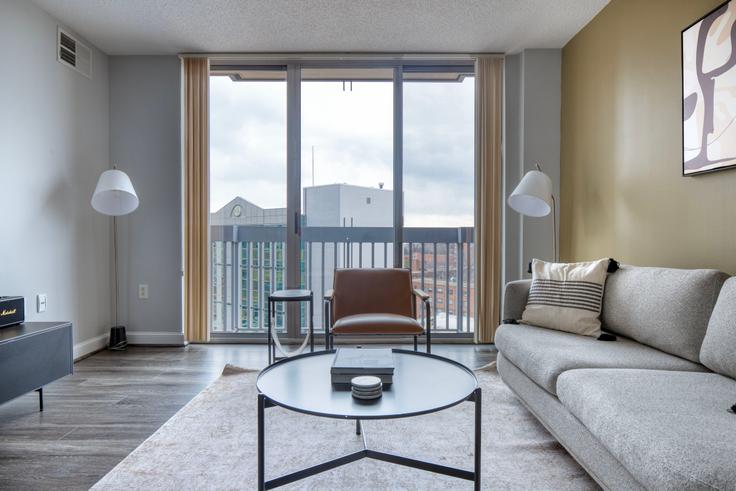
115, 262
554, 229
554, 220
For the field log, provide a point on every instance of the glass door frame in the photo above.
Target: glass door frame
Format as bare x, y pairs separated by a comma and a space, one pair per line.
294, 66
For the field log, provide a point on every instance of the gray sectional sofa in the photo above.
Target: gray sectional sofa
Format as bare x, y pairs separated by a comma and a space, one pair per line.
651, 409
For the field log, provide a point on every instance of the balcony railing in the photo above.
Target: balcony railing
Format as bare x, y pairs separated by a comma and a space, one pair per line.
248, 262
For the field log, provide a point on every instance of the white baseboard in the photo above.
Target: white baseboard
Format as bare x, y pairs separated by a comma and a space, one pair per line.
162, 338
90, 346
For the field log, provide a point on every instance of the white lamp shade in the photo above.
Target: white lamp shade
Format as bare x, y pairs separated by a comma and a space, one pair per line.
533, 195
114, 194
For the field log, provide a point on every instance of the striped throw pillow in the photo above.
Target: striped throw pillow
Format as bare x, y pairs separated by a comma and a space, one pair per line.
567, 296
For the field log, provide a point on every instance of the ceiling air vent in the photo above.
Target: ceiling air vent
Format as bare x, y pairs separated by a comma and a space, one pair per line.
74, 54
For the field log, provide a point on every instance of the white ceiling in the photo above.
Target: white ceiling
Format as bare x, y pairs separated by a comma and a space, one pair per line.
149, 27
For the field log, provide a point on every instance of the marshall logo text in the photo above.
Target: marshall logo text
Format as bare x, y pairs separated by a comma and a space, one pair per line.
12, 311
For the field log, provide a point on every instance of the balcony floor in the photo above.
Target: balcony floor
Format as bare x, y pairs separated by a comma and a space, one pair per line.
114, 401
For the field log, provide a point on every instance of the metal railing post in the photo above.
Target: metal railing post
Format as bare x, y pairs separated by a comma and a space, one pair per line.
459, 289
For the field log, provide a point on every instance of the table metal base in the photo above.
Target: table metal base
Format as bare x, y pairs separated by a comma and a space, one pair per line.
288, 295
366, 453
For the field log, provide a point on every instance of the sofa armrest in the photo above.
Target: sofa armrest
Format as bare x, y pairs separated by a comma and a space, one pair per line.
515, 296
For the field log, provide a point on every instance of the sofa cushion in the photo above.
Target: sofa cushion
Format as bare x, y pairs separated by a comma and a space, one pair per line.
543, 354
377, 324
567, 296
671, 430
719, 346
660, 307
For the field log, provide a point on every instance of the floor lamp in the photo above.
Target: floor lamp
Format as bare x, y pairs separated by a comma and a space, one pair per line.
115, 196
533, 197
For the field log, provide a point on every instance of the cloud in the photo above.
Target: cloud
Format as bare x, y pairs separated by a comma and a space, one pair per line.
247, 142
352, 133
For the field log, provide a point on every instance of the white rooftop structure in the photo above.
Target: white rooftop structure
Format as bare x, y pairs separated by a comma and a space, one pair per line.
347, 205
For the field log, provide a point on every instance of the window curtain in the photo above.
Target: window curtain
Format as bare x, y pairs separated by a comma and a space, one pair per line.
488, 195
196, 198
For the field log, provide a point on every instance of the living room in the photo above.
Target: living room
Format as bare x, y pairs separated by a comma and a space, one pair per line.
368, 245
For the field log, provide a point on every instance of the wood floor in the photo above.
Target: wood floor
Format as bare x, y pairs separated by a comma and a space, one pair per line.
114, 401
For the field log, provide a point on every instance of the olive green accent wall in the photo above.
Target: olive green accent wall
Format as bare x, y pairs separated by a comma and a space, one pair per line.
622, 190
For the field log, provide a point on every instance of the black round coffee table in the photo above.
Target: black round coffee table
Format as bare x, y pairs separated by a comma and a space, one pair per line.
422, 383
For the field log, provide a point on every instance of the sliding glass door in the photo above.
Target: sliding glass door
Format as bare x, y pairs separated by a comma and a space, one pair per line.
347, 172
248, 199
439, 190
317, 165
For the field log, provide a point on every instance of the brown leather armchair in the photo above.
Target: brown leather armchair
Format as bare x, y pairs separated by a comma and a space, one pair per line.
375, 302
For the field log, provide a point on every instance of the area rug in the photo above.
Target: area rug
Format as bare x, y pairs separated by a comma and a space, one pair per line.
211, 444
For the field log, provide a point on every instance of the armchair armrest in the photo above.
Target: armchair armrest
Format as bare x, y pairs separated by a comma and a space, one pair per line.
421, 294
424, 297
329, 295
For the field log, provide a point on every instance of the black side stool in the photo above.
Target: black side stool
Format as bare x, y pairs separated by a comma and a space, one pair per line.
289, 295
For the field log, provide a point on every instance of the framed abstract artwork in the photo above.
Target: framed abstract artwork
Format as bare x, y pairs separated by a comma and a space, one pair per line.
709, 92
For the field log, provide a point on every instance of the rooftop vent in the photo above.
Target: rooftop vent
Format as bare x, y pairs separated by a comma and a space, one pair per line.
73, 53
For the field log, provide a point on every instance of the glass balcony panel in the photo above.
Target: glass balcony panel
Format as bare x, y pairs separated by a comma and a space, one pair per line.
247, 195
438, 180
347, 174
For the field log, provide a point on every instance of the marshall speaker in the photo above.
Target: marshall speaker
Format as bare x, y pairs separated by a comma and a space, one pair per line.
12, 311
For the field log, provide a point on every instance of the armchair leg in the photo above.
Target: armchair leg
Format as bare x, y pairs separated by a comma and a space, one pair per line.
416, 346
429, 326
327, 323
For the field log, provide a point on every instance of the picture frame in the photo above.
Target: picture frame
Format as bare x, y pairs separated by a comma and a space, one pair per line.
708, 77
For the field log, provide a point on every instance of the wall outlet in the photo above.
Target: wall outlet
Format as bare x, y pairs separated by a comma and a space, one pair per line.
41, 302
143, 291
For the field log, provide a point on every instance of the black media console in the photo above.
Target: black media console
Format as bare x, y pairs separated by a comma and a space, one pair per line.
32, 355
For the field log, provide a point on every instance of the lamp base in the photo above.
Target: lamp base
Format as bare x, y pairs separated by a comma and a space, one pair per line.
118, 339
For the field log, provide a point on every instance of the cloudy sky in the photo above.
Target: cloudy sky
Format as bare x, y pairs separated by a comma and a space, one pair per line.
351, 132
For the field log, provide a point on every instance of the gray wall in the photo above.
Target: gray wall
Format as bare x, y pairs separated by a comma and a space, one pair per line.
53, 146
532, 119
145, 124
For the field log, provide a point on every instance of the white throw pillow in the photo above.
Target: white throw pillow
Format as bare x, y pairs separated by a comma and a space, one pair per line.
567, 296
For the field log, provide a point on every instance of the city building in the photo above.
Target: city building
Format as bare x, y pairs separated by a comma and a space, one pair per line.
347, 205
343, 225
240, 211
328, 209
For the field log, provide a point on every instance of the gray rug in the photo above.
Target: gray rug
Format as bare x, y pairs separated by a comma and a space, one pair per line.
211, 444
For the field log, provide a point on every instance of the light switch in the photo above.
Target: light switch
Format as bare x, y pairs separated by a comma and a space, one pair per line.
143, 291
41, 302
